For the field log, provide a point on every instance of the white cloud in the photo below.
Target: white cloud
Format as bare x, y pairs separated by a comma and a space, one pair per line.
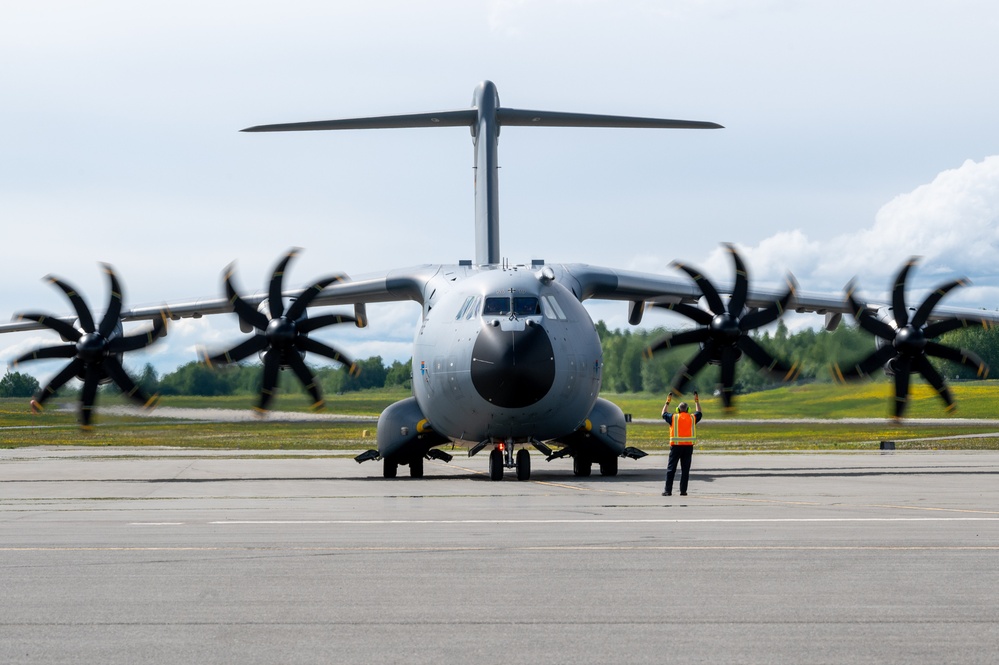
952, 223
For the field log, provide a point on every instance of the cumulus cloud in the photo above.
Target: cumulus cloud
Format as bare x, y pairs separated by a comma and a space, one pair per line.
952, 223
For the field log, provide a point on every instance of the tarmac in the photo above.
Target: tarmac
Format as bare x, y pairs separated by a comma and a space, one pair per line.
164, 555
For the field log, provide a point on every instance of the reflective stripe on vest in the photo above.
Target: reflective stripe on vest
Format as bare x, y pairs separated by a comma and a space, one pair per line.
683, 430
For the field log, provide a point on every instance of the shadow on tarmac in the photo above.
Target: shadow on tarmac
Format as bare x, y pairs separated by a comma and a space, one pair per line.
557, 476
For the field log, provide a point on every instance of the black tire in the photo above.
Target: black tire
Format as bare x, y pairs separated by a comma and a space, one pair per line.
496, 464
609, 467
523, 464
581, 467
416, 468
389, 469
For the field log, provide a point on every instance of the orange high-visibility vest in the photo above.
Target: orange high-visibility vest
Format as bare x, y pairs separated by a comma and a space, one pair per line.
683, 429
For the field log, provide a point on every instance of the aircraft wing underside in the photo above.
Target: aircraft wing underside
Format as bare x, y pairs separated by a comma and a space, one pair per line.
609, 284
394, 286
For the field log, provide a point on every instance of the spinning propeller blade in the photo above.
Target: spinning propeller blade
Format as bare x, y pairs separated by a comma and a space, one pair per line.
904, 348
282, 339
94, 351
723, 331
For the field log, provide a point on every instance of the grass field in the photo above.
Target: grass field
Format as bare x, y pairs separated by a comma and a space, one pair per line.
978, 400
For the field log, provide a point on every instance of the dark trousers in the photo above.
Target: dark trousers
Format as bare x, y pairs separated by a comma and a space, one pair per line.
680, 454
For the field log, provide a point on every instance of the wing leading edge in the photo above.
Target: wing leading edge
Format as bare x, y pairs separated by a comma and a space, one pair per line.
394, 286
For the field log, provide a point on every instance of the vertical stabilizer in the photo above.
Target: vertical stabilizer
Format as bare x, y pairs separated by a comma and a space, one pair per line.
485, 119
485, 137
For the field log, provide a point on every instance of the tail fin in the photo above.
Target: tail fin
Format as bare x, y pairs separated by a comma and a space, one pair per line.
485, 118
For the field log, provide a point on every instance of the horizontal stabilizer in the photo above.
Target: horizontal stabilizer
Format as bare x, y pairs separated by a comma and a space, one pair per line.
459, 118
484, 119
469, 117
526, 118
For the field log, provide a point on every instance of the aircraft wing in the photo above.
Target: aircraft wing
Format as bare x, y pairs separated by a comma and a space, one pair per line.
394, 286
640, 288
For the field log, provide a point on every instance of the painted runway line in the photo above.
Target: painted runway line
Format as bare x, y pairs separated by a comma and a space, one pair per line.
745, 520
508, 548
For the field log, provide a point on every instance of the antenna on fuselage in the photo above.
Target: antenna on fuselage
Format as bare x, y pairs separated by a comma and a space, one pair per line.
485, 118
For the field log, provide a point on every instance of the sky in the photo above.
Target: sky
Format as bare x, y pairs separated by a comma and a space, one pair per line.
857, 134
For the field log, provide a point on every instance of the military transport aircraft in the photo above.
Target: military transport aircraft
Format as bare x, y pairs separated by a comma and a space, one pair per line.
505, 355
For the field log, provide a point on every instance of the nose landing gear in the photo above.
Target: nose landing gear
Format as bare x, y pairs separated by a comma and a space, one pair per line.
496, 464
502, 457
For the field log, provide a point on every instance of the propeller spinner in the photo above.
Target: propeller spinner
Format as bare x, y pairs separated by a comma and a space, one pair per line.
95, 351
723, 332
283, 338
906, 346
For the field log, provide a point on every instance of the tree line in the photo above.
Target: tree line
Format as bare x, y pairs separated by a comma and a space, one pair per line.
625, 367
196, 378
814, 352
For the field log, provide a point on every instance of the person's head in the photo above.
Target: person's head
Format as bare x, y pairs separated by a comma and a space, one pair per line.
682, 408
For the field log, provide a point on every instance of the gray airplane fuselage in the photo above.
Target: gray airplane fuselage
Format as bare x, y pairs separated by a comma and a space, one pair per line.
504, 353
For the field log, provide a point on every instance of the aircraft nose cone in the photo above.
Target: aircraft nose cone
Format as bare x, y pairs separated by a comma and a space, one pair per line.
513, 369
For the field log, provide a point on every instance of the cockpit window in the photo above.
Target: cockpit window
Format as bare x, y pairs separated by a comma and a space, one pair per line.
468, 310
496, 305
526, 306
552, 308
518, 306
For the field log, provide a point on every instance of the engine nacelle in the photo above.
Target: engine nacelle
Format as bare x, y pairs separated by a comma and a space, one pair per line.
404, 432
603, 434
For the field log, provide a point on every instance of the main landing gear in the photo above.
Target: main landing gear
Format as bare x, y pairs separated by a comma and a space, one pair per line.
391, 469
502, 457
583, 467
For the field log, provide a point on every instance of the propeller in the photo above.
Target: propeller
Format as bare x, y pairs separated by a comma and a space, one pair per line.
904, 346
283, 339
95, 351
723, 331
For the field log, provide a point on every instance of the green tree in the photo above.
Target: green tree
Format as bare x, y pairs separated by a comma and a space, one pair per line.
336, 380
372, 373
197, 378
400, 374
16, 384
984, 342
148, 380
613, 376
602, 331
631, 364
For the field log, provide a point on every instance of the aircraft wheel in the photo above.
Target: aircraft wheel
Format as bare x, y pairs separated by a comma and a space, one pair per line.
496, 464
609, 467
523, 464
581, 467
416, 468
389, 469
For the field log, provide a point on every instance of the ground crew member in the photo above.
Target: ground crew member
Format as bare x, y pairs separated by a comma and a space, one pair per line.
682, 437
